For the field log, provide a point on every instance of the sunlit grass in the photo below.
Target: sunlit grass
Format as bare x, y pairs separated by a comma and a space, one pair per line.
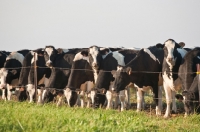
16, 116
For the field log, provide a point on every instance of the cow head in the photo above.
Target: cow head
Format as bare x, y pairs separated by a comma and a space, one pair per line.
188, 100
170, 51
94, 57
50, 54
122, 78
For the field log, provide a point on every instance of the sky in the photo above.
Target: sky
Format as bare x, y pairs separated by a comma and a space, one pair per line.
32, 24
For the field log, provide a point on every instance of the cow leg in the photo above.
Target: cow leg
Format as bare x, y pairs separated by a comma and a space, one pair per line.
139, 99
9, 93
159, 107
90, 85
82, 98
127, 97
31, 91
4, 94
60, 96
122, 99
43, 95
174, 108
39, 91
160, 104
68, 95
168, 95
109, 99
157, 99
92, 95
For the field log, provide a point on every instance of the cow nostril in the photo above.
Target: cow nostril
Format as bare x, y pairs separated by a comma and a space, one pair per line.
170, 59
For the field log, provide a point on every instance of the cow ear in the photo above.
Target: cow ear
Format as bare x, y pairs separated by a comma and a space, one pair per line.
129, 70
60, 50
14, 72
113, 72
159, 45
181, 44
84, 53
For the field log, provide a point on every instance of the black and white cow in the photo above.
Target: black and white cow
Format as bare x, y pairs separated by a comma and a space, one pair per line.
105, 78
3, 55
84, 73
60, 64
27, 76
81, 77
190, 79
173, 56
11, 70
143, 71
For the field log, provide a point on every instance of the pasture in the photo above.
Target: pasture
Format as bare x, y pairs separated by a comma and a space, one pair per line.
23, 116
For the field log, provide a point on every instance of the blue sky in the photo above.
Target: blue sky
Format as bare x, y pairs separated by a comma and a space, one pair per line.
32, 24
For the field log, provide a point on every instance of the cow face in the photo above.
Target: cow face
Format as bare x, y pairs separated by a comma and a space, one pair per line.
188, 98
94, 57
122, 78
49, 54
170, 51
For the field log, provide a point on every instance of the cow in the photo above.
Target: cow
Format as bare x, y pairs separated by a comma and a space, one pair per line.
11, 70
189, 76
105, 78
27, 77
173, 56
3, 55
142, 71
60, 65
84, 73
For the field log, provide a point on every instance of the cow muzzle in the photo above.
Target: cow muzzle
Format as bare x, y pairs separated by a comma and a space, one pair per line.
171, 61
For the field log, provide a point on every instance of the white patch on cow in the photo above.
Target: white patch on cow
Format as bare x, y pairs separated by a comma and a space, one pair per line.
133, 48
93, 51
119, 68
79, 56
109, 99
3, 74
68, 95
34, 58
9, 93
182, 52
169, 80
119, 57
151, 55
49, 52
31, 91
198, 57
65, 50
43, 94
17, 56
170, 47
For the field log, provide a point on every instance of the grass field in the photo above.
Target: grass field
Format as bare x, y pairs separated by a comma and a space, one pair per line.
22, 116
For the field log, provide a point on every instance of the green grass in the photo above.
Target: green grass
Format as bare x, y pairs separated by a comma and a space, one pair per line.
16, 116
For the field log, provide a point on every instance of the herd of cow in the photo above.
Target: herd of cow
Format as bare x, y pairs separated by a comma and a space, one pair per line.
96, 76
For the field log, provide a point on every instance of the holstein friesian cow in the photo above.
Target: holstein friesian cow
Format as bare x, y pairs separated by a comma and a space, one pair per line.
84, 73
3, 55
173, 56
104, 83
11, 70
143, 71
60, 64
27, 77
190, 79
